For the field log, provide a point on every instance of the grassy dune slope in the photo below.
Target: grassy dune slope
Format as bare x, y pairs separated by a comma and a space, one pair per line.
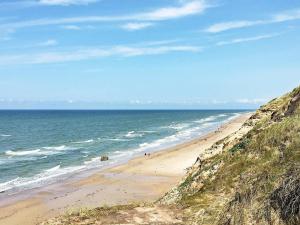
256, 179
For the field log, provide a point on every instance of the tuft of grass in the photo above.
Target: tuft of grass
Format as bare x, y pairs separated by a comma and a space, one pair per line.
286, 198
240, 146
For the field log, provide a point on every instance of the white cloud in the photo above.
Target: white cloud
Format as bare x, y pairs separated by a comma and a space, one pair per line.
186, 9
92, 53
248, 39
36, 3
135, 102
219, 27
5, 34
136, 26
50, 42
76, 27
167, 13
277, 18
66, 2
142, 102
162, 42
219, 102
252, 101
135, 51
71, 27
287, 16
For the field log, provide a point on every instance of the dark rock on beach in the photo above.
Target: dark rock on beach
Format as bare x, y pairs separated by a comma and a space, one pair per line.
104, 158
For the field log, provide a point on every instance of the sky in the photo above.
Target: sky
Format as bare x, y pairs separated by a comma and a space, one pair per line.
147, 54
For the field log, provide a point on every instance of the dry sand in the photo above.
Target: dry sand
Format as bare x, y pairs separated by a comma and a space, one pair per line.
142, 179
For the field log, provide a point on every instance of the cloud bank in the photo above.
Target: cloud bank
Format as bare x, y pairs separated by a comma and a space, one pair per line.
277, 18
66, 2
187, 8
93, 53
136, 26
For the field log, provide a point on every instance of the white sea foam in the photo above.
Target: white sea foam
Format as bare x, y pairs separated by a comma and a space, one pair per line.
23, 153
41, 151
83, 142
212, 118
93, 161
6, 185
178, 126
130, 134
39, 179
133, 134
185, 131
53, 169
116, 139
122, 155
60, 148
5, 135
9, 159
158, 144
144, 145
208, 119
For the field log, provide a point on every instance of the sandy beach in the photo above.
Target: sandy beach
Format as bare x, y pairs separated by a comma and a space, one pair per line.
142, 179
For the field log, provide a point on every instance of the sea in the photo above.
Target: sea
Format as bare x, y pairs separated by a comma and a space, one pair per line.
40, 147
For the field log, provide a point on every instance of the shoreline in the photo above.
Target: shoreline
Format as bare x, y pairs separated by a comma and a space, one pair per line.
141, 179
89, 167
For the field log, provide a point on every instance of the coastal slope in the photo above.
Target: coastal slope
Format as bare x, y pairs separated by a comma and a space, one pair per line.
248, 177
255, 179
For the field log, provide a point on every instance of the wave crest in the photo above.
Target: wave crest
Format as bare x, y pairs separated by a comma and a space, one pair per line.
133, 134
23, 153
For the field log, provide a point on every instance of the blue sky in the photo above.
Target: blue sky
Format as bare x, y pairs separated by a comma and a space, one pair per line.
143, 54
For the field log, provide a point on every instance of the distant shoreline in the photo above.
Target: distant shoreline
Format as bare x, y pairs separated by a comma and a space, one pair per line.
143, 178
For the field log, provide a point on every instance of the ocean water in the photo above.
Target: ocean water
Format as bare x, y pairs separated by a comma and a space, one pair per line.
42, 147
